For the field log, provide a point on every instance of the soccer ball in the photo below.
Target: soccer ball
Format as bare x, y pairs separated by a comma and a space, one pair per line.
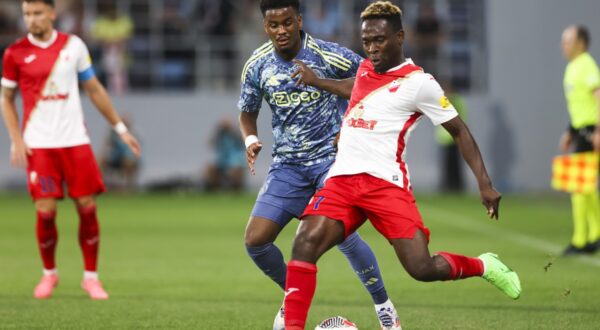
335, 323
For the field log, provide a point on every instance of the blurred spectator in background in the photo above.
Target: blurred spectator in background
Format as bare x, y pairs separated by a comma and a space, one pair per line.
71, 17
113, 30
451, 176
227, 173
428, 36
177, 69
582, 91
119, 165
322, 19
8, 25
216, 19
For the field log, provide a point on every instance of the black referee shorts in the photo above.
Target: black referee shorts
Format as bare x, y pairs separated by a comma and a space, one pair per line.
582, 138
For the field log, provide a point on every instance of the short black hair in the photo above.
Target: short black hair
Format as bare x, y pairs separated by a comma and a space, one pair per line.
583, 34
276, 4
384, 10
48, 2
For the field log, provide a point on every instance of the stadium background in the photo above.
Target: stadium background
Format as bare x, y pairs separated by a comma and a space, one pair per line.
504, 56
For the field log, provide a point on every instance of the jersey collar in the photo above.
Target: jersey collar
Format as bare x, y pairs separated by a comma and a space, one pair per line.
43, 44
406, 62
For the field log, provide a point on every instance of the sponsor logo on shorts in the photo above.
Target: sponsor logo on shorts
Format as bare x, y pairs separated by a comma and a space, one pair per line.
33, 177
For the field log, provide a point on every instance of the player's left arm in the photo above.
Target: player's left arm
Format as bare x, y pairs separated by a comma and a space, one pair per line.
470, 152
98, 95
431, 101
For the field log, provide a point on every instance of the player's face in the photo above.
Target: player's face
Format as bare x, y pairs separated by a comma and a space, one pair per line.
569, 43
382, 44
39, 17
283, 27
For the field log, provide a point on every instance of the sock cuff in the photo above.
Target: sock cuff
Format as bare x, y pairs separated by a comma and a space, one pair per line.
259, 249
302, 266
448, 257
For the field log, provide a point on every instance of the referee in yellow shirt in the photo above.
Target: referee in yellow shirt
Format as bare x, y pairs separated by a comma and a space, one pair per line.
582, 92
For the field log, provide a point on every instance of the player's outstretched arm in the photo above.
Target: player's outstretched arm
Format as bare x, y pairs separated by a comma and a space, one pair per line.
306, 76
101, 100
249, 130
470, 152
18, 149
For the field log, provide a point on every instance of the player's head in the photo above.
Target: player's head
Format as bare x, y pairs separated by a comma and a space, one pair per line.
39, 16
282, 22
382, 34
575, 40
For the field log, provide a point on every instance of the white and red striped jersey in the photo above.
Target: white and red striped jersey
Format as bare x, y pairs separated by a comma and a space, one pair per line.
48, 75
383, 111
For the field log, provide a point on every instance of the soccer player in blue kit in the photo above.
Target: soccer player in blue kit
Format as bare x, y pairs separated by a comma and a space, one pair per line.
305, 123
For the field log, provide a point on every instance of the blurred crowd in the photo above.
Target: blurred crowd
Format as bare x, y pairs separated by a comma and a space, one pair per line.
192, 44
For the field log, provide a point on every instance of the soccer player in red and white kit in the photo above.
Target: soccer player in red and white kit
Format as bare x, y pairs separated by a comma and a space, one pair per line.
52, 143
370, 180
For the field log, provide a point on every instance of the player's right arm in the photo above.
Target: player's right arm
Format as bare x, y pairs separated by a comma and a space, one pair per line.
249, 106
306, 76
18, 149
249, 129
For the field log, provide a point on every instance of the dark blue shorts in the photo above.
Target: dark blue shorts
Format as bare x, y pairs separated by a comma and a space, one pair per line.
288, 189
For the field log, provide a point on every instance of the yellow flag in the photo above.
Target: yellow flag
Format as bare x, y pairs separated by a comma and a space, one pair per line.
575, 173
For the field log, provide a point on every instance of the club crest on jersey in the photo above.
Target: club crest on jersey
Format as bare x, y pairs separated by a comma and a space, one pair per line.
444, 102
394, 86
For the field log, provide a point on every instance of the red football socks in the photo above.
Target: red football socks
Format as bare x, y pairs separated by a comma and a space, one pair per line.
89, 237
462, 266
301, 283
47, 237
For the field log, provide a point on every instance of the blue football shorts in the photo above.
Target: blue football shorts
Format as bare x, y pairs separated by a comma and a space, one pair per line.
288, 189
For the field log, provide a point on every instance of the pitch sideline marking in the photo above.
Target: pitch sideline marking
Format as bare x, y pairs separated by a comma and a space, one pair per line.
477, 226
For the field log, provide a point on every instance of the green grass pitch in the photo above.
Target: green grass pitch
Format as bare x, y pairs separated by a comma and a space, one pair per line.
178, 261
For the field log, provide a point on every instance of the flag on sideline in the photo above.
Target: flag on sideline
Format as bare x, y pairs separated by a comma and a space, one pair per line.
575, 173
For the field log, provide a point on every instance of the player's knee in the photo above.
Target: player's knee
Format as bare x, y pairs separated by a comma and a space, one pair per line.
256, 238
306, 245
85, 202
45, 205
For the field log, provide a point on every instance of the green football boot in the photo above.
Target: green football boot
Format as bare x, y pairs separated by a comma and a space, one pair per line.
500, 275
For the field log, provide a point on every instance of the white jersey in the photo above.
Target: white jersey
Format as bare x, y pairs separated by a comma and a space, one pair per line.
48, 76
383, 111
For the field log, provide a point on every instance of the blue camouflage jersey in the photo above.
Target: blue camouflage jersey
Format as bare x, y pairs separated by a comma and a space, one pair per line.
305, 119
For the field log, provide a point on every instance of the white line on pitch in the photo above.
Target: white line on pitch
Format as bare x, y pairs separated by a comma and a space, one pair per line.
477, 226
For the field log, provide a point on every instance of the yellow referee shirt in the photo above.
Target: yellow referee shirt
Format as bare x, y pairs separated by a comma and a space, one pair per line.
582, 78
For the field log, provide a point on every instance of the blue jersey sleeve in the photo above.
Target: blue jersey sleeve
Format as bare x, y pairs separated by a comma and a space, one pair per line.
251, 94
344, 62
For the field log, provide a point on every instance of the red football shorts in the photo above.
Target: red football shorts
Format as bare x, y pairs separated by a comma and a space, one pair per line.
47, 169
352, 199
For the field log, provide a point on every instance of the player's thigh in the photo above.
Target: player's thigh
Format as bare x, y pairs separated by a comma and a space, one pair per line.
286, 191
45, 174
337, 201
392, 210
315, 236
82, 175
